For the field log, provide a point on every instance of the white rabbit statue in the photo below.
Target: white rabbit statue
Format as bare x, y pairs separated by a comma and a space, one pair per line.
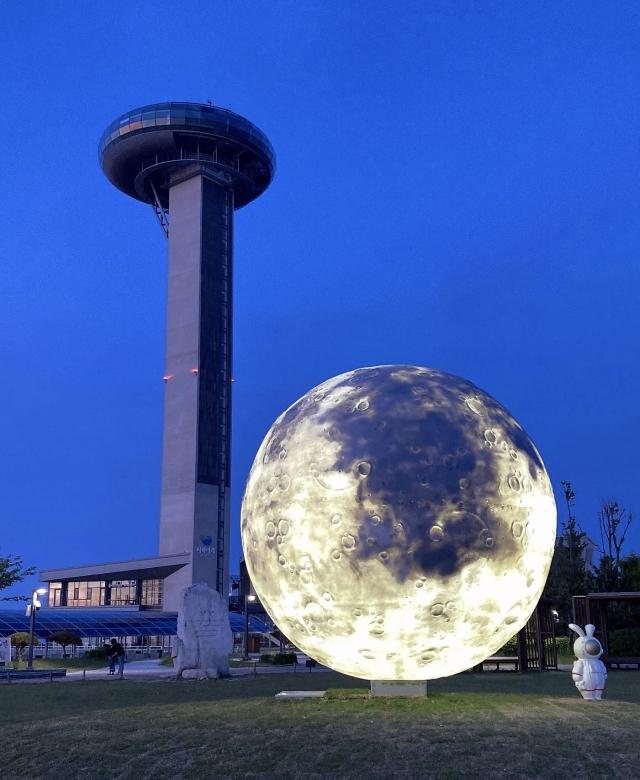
589, 673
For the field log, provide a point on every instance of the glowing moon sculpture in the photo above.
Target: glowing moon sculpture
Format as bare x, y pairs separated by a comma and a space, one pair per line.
398, 524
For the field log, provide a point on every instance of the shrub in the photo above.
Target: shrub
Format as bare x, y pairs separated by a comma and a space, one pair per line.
509, 648
98, 652
625, 642
280, 659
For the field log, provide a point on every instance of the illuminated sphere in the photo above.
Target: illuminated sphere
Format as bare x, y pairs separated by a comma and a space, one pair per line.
398, 524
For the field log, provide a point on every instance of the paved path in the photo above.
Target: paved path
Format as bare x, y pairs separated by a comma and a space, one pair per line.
151, 669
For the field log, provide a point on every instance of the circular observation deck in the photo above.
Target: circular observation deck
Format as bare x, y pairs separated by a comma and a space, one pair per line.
141, 150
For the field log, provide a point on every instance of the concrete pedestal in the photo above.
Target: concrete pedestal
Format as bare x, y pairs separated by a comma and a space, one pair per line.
398, 687
300, 695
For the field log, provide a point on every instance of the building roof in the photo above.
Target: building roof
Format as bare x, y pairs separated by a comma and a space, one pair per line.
108, 623
158, 567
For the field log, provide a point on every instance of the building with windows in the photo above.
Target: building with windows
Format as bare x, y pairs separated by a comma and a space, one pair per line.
194, 165
137, 584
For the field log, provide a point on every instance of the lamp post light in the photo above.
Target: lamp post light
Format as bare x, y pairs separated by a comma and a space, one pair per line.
32, 608
249, 597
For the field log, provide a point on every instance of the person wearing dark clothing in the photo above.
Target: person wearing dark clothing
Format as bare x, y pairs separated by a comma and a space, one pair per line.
118, 652
111, 655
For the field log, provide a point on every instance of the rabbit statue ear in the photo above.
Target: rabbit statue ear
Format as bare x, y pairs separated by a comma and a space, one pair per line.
590, 629
577, 629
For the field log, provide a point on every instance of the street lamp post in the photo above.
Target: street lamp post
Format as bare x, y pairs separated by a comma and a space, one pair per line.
32, 608
247, 599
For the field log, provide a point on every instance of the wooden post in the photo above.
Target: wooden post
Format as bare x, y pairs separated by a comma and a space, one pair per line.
605, 628
521, 642
539, 642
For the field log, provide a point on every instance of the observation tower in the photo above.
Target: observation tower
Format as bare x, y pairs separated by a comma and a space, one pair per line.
194, 164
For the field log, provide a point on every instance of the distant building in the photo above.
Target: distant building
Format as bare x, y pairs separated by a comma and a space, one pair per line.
587, 553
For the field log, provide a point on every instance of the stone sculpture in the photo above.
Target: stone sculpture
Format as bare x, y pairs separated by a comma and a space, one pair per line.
589, 673
204, 634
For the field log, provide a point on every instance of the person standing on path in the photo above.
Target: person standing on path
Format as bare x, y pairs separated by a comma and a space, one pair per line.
111, 655
119, 653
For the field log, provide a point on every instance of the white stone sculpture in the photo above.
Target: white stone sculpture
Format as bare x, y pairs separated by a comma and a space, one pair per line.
204, 634
589, 673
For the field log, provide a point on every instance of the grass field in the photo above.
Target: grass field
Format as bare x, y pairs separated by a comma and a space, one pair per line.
72, 664
63, 663
485, 726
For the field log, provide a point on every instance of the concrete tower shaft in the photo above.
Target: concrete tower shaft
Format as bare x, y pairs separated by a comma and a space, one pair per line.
194, 512
194, 175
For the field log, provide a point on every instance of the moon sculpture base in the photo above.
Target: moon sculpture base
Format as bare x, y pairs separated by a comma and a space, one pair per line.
398, 524
398, 688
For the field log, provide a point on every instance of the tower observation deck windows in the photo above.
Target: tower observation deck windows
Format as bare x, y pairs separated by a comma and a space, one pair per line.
135, 121
163, 117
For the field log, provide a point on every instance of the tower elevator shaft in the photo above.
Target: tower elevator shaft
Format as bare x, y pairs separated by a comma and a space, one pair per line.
196, 449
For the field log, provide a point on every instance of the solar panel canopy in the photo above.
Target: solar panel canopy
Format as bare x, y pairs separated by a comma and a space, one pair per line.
108, 623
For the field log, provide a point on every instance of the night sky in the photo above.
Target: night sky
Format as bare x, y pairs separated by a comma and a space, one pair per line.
457, 187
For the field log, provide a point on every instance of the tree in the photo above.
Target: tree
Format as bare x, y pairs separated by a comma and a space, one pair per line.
11, 572
630, 572
568, 575
64, 639
20, 640
614, 523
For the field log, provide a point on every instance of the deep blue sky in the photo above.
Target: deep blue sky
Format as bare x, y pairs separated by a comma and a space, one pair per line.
457, 187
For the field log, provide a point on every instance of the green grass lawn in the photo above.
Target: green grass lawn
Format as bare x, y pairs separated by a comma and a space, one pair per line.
72, 664
470, 727
236, 663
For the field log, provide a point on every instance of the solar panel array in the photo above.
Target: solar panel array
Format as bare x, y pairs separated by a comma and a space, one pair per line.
255, 626
108, 623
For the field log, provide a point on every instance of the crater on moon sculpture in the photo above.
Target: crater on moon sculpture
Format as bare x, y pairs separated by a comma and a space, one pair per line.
398, 524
